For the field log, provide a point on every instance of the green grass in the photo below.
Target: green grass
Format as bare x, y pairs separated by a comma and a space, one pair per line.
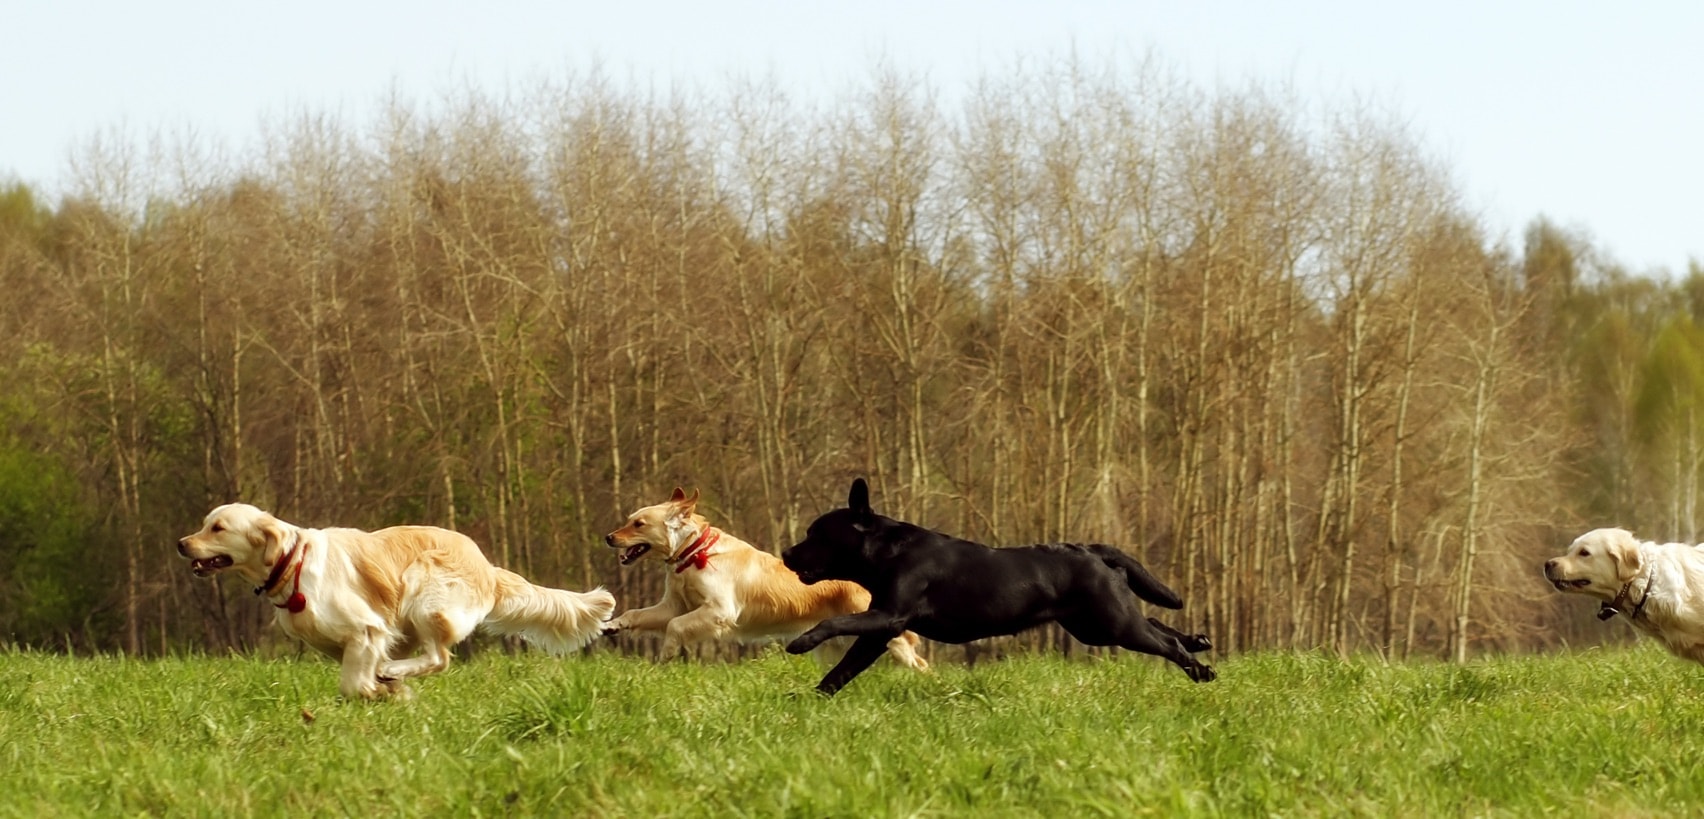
1597, 733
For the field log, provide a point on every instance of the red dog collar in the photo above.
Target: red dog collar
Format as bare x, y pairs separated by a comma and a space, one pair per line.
698, 554
297, 601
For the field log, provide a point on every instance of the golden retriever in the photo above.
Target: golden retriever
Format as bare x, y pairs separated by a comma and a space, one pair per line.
368, 598
720, 587
1658, 586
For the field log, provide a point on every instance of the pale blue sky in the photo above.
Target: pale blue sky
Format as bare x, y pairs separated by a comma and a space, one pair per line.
1589, 113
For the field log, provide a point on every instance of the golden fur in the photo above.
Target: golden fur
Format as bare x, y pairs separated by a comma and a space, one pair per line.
368, 597
1659, 587
742, 593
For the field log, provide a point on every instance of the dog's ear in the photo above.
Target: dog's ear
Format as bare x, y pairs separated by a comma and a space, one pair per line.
687, 504
858, 500
1624, 550
273, 538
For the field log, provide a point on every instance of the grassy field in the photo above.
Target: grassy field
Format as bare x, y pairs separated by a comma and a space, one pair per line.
1596, 733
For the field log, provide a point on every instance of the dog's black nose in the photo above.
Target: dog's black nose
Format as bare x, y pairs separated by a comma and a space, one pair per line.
183, 547
610, 539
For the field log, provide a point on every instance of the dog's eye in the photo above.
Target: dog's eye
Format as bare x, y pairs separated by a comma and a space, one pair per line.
218, 527
638, 524
1585, 553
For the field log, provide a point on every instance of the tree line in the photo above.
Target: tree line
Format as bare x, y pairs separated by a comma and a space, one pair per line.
1267, 350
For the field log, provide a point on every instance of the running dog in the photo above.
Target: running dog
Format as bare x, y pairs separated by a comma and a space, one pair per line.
367, 598
721, 588
955, 591
1659, 587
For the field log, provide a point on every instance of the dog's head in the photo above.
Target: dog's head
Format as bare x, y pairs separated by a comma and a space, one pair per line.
658, 530
1598, 563
842, 544
238, 536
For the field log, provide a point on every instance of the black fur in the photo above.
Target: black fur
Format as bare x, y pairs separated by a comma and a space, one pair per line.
955, 591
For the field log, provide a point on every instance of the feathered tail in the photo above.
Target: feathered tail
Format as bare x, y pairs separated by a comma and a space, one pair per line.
555, 620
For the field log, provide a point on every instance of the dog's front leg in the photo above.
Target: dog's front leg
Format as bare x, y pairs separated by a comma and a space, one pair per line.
863, 652
650, 618
361, 658
860, 624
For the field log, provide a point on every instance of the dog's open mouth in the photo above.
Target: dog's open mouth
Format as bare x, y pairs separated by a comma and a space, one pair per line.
1569, 585
205, 566
632, 553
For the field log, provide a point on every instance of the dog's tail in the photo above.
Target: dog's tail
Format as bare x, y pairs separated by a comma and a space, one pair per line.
1145, 585
555, 620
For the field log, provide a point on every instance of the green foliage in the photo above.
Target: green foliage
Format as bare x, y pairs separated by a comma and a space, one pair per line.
20, 211
1671, 380
1637, 384
52, 579
1599, 733
41, 533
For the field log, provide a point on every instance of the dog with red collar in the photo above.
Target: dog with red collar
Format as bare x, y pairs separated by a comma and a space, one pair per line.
720, 587
371, 599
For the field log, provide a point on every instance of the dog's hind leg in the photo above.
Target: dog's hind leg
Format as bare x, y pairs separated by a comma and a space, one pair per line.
1192, 643
437, 632
694, 627
442, 614
903, 650
1130, 630
864, 652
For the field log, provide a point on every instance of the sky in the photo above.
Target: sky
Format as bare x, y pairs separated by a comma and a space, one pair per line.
1590, 114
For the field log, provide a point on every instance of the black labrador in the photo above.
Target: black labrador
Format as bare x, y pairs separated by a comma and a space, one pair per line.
952, 590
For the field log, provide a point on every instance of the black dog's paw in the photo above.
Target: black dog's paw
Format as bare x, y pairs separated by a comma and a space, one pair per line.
1201, 673
801, 644
1195, 643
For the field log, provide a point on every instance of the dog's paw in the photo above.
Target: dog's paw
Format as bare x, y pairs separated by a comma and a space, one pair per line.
1202, 673
1195, 643
802, 644
610, 631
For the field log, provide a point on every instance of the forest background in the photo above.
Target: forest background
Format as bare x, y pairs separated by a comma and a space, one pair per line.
1264, 347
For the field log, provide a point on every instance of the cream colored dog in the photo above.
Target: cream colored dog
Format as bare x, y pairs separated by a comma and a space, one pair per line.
1658, 586
369, 597
720, 587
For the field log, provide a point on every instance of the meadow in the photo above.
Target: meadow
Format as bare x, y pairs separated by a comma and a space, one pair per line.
1601, 732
